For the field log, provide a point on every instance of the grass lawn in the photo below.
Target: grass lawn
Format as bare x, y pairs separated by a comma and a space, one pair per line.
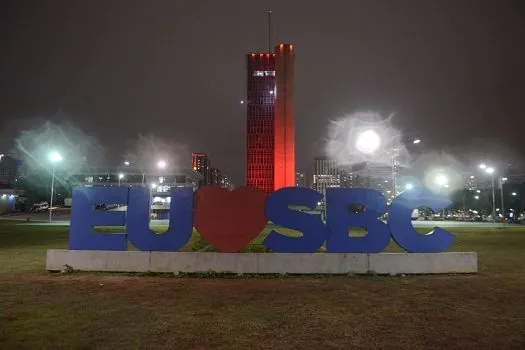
112, 311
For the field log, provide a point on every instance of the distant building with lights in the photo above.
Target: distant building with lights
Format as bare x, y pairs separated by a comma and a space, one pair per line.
226, 183
326, 175
270, 153
347, 178
200, 162
215, 177
10, 168
160, 184
377, 177
300, 179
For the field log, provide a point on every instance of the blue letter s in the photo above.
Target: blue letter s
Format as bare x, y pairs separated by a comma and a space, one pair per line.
312, 227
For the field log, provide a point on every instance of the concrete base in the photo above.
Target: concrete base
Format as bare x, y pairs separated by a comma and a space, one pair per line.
261, 263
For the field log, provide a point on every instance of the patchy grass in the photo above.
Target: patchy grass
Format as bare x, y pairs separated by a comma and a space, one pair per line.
108, 311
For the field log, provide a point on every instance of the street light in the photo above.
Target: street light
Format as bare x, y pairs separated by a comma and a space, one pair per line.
394, 163
409, 187
441, 180
54, 158
368, 142
126, 163
120, 177
490, 170
514, 194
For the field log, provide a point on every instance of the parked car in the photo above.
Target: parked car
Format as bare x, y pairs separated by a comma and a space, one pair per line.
40, 207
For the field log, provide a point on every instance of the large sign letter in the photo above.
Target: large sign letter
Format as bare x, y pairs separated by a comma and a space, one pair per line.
399, 220
84, 217
277, 211
180, 226
339, 218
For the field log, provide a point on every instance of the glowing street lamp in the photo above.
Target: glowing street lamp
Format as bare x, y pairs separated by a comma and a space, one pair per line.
54, 157
441, 180
490, 170
126, 163
416, 141
514, 194
161, 164
368, 142
409, 187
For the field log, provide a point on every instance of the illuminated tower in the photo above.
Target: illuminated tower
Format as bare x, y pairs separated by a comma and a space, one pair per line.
270, 161
284, 127
260, 121
201, 163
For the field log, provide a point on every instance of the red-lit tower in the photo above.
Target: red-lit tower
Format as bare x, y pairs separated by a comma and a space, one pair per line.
260, 121
284, 123
270, 161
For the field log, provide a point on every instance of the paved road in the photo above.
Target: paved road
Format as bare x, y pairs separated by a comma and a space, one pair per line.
475, 224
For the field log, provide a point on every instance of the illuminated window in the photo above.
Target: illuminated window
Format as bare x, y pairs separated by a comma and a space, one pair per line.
264, 73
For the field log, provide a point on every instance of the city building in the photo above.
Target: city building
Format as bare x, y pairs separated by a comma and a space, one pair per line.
270, 154
377, 177
284, 123
347, 178
161, 183
215, 177
10, 168
7, 200
326, 175
300, 180
226, 183
200, 162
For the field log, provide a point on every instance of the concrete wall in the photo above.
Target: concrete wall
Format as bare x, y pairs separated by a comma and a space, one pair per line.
277, 263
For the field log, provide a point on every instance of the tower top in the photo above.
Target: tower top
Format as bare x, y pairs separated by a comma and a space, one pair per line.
270, 30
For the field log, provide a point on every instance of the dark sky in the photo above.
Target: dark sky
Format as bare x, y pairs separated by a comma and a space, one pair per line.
452, 71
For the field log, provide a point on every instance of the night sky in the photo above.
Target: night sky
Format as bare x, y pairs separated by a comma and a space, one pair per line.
453, 72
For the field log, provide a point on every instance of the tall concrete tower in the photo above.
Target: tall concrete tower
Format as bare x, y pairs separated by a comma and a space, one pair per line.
284, 119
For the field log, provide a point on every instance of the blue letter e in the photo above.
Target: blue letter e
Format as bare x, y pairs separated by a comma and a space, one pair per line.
339, 219
277, 211
84, 217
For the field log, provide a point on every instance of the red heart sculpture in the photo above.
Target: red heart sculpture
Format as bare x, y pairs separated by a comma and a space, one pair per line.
229, 220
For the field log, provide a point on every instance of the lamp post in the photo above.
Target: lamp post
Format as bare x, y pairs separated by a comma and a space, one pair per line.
442, 181
490, 170
54, 158
394, 163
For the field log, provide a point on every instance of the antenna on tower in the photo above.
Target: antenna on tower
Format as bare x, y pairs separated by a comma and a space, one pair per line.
269, 30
